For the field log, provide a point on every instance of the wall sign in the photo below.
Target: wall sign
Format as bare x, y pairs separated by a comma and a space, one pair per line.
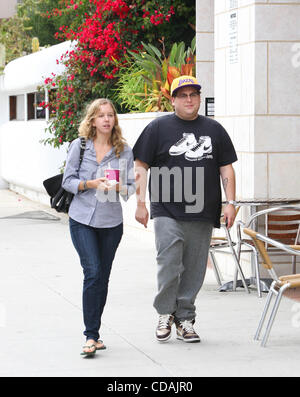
209, 107
233, 37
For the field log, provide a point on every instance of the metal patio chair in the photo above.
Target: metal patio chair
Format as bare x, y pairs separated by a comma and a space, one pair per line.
281, 223
288, 285
220, 244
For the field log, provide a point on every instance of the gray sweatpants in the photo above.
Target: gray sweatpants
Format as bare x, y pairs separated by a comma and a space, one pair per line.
182, 251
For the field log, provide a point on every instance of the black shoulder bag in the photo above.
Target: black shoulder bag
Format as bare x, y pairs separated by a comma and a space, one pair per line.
60, 199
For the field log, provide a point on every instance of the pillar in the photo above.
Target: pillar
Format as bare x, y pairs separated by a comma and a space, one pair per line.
257, 80
205, 52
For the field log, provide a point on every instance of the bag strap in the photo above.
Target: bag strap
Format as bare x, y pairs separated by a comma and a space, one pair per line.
82, 149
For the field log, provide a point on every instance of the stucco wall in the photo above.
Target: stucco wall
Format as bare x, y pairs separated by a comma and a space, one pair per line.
7, 8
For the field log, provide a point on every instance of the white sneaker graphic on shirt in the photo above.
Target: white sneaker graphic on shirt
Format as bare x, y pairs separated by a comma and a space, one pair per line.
199, 151
187, 142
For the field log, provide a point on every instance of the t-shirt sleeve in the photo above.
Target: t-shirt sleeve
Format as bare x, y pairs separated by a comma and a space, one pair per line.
146, 145
227, 153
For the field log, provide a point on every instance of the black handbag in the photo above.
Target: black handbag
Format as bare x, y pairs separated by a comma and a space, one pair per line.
60, 199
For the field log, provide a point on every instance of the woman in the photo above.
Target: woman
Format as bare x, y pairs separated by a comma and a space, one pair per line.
96, 222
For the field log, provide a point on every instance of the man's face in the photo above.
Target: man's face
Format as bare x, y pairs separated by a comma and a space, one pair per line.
187, 103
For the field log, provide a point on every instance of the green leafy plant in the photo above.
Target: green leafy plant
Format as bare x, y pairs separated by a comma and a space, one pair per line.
158, 72
130, 82
15, 38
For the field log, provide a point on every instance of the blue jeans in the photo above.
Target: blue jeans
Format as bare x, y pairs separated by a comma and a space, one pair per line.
96, 248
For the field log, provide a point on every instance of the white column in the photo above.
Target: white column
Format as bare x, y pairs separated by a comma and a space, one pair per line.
205, 49
257, 80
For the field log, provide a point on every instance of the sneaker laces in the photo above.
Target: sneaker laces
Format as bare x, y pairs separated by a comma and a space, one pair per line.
201, 141
187, 326
181, 140
164, 321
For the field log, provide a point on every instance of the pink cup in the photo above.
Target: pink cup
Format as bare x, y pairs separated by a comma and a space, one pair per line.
112, 175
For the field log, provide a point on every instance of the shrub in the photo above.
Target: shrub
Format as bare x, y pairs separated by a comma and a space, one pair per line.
103, 32
145, 85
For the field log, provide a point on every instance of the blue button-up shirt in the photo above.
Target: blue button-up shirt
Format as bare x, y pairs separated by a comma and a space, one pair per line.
86, 208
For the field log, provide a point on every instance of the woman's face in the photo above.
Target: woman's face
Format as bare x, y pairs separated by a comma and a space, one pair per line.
104, 120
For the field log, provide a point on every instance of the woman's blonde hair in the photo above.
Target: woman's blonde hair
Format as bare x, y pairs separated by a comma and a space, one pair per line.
87, 130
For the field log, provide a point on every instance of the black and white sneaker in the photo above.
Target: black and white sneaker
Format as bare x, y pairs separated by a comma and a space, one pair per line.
187, 142
163, 330
185, 331
199, 151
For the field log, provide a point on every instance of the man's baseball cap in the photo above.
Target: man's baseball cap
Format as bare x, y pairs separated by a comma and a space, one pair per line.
184, 81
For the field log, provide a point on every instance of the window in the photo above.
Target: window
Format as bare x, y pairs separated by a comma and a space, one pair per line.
52, 97
34, 111
12, 107
16, 107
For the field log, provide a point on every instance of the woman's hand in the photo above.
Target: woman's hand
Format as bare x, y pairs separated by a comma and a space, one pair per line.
99, 183
105, 185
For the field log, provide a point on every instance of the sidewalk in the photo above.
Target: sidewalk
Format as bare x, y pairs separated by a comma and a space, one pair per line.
41, 317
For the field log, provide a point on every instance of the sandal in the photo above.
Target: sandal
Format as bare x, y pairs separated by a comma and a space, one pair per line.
103, 347
90, 353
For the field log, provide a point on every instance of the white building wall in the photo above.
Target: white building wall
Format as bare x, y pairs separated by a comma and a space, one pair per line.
7, 8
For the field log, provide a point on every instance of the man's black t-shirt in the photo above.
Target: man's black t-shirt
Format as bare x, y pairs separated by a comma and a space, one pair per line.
184, 158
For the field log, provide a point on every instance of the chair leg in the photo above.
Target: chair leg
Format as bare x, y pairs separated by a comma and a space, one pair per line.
236, 272
237, 264
294, 262
263, 316
273, 314
215, 267
257, 274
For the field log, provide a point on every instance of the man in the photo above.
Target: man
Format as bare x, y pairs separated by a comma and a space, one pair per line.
186, 153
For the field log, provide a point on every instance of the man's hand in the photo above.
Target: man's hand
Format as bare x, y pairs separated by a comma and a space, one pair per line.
142, 215
229, 215
228, 180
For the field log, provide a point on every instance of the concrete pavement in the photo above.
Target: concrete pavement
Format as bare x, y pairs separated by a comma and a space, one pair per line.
41, 317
